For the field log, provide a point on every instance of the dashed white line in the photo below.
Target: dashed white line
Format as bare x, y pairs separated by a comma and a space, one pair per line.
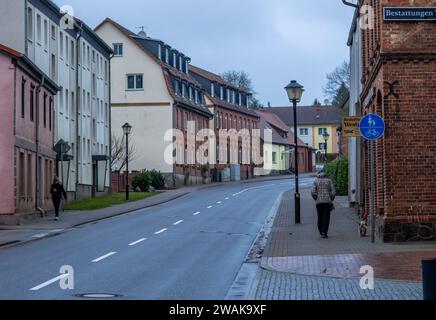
104, 257
227, 198
137, 242
161, 231
49, 282
210, 207
197, 213
40, 235
219, 202
178, 222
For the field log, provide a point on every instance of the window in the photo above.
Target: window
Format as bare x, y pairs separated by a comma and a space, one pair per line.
23, 97
190, 93
45, 34
50, 110
174, 60
45, 111
212, 89
93, 56
30, 23
61, 44
186, 67
72, 53
180, 63
228, 95
67, 109
38, 29
322, 131
183, 90
274, 157
105, 71
167, 55
221, 93
53, 32
135, 82
304, 132
32, 102
88, 54
196, 96
321, 146
118, 49
176, 87
67, 51
159, 51
240, 99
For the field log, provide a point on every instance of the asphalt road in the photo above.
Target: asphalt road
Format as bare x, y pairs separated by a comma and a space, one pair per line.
190, 248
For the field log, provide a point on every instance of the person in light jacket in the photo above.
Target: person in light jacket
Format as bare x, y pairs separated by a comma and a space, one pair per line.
324, 193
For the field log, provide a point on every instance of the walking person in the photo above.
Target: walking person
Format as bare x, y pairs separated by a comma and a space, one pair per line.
324, 193
57, 191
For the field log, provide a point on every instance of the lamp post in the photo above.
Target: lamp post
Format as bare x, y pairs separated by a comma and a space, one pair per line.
295, 92
326, 137
127, 129
340, 131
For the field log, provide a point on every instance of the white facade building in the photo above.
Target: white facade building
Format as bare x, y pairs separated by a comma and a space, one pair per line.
78, 61
354, 144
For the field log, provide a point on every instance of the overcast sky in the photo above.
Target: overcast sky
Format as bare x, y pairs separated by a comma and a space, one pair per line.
274, 41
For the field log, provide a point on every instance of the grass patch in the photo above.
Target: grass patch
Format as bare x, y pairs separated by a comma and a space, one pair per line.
107, 201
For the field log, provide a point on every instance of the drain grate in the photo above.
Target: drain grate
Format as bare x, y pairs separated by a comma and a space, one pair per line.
98, 295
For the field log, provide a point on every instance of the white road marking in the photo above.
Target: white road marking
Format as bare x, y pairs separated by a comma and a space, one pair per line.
227, 198
136, 242
104, 257
197, 213
40, 235
161, 231
210, 207
219, 202
178, 222
49, 282
57, 230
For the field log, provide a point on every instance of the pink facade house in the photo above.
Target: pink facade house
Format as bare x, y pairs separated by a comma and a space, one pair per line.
27, 161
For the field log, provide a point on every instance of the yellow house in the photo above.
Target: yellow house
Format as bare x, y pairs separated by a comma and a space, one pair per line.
313, 122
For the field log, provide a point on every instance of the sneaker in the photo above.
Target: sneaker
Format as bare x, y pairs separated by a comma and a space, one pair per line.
324, 236
57, 219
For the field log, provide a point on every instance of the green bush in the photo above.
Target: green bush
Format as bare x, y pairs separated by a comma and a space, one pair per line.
157, 180
337, 170
142, 180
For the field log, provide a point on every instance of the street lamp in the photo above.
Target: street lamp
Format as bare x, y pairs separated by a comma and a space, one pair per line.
340, 131
295, 92
127, 129
326, 137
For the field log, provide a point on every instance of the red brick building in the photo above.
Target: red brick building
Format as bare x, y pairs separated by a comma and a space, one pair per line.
399, 84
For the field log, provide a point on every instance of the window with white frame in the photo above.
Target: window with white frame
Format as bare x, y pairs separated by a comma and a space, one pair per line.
167, 55
190, 93
61, 44
118, 49
322, 131
38, 29
304, 131
212, 89
45, 34
30, 23
180, 63
135, 82
228, 95
174, 60
221, 93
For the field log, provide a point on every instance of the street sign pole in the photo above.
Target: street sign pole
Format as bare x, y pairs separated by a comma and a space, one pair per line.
372, 127
373, 196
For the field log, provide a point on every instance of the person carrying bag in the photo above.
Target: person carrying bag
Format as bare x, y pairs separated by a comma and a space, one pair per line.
324, 193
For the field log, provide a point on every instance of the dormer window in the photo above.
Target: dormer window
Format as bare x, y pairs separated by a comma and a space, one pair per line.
183, 90
240, 99
159, 51
212, 89
167, 56
176, 87
196, 96
180, 63
174, 60
248, 101
187, 66
228, 95
233, 97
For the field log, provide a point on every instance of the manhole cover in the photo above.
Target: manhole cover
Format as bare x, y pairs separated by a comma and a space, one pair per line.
97, 295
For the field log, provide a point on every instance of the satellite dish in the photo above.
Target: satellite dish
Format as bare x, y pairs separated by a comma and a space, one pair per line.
142, 34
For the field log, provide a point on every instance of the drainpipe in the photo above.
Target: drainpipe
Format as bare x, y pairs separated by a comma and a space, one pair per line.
351, 4
78, 99
37, 163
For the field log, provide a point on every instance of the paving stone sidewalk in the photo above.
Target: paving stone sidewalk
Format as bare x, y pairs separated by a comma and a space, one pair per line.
298, 264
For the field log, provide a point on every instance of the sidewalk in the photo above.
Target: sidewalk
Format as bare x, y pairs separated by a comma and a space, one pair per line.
37, 228
298, 264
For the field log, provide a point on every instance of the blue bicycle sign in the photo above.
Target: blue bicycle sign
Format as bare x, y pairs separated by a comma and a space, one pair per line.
372, 127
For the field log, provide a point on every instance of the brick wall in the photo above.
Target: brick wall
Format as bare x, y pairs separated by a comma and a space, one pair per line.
400, 85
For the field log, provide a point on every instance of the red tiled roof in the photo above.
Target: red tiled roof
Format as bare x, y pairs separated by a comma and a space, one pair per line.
278, 129
213, 77
10, 51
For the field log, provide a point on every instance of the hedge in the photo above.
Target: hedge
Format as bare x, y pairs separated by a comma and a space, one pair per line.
337, 170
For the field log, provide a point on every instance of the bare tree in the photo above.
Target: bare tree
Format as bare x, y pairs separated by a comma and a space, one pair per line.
242, 80
239, 79
119, 152
338, 80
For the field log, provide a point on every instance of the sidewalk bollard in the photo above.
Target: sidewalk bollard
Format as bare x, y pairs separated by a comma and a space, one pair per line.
429, 279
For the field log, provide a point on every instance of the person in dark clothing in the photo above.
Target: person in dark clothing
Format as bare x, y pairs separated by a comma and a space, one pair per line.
57, 191
324, 193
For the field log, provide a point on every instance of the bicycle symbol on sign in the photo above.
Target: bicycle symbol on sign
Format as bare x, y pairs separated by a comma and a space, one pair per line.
372, 127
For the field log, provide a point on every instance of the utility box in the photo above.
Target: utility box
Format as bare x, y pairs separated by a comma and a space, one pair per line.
235, 172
